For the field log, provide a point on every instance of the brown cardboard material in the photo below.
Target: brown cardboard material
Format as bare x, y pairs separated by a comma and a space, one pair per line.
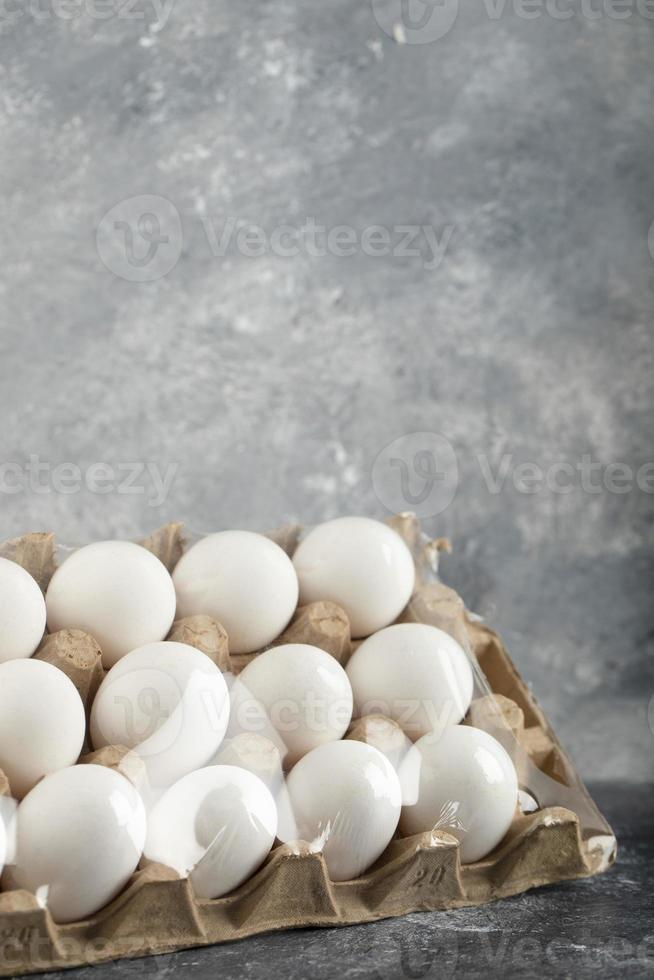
321, 624
257, 754
157, 912
206, 634
167, 543
78, 655
35, 552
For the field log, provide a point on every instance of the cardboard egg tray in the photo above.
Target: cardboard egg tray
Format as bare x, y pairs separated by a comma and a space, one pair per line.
157, 912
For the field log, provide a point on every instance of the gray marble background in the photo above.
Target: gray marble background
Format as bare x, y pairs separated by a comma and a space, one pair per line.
265, 387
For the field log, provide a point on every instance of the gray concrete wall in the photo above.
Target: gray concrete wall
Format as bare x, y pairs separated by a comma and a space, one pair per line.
516, 324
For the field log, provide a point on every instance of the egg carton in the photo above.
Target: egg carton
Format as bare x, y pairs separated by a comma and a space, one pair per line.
565, 838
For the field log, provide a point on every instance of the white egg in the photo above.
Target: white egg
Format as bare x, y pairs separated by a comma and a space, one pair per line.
79, 836
304, 692
42, 722
344, 798
216, 825
118, 592
416, 674
22, 612
362, 565
468, 787
167, 701
242, 579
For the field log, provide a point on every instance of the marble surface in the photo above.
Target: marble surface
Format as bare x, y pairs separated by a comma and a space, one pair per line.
224, 383
599, 927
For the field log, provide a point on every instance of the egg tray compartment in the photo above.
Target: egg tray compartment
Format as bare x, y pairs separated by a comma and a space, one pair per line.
158, 912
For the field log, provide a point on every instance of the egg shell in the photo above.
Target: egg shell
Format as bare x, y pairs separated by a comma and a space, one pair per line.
468, 787
42, 722
242, 579
167, 701
117, 591
22, 612
216, 825
362, 565
344, 798
79, 836
304, 693
414, 673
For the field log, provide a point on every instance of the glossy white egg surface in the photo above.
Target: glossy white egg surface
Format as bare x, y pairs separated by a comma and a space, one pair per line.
468, 787
416, 674
305, 695
42, 722
362, 565
79, 836
118, 592
22, 612
216, 825
242, 579
167, 701
344, 798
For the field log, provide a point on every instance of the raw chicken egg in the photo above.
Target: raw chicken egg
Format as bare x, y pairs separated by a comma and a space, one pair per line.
304, 692
362, 565
117, 591
242, 579
344, 798
468, 787
167, 701
22, 612
416, 674
42, 722
215, 825
79, 835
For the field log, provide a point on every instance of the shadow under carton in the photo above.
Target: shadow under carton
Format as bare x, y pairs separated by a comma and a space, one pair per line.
157, 912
